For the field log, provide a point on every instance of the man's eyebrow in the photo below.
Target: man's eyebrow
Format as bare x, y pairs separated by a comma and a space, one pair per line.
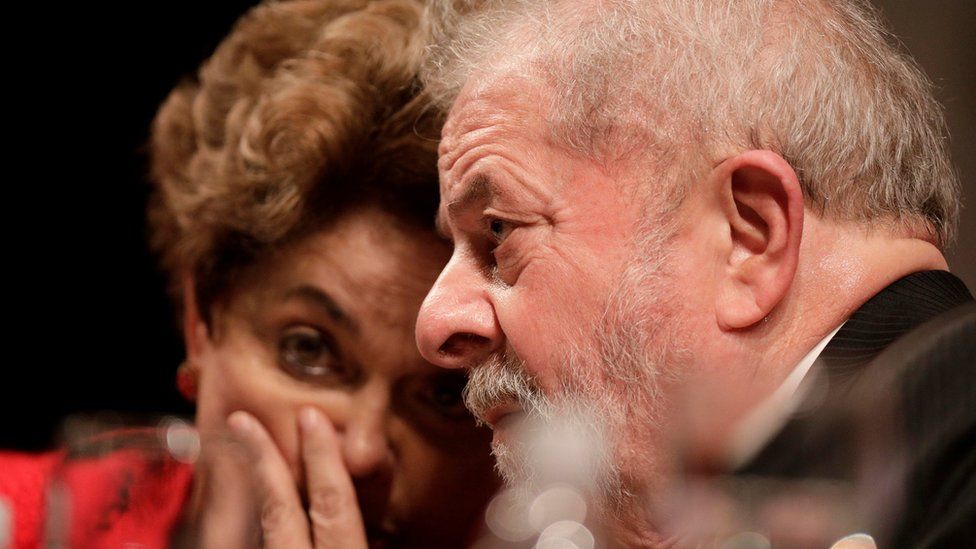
321, 299
479, 189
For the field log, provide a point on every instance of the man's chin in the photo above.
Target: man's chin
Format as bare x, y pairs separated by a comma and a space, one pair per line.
507, 446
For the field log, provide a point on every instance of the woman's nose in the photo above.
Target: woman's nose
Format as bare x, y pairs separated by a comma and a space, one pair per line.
457, 326
365, 442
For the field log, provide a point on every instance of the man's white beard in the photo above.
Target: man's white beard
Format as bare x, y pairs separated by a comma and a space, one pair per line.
562, 440
608, 396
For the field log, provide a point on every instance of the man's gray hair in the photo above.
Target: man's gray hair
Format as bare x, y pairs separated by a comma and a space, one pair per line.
681, 82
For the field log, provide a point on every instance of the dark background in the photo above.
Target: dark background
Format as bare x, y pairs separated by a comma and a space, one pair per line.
88, 326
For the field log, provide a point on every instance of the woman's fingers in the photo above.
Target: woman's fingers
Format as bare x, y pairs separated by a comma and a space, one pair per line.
334, 515
222, 514
333, 510
283, 520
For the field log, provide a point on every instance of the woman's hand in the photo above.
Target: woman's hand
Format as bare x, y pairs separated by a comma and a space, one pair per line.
333, 519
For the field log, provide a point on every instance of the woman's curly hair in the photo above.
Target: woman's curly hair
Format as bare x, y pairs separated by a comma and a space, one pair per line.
307, 109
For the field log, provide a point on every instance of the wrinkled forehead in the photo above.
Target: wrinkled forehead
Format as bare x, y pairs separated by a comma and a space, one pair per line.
493, 108
516, 110
489, 98
496, 115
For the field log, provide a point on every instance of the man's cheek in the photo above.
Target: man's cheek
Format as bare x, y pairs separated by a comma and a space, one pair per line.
542, 353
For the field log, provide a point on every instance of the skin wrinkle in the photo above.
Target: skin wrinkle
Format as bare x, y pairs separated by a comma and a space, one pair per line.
563, 252
494, 192
375, 286
297, 158
567, 251
485, 155
735, 314
244, 372
447, 188
323, 301
465, 153
799, 39
505, 380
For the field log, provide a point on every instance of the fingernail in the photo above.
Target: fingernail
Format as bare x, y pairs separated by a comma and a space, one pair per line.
309, 418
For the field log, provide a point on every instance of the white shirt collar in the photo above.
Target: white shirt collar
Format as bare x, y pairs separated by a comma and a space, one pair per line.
769, 416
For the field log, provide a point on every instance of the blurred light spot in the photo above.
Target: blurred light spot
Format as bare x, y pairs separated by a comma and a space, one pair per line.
555, 543
559, 502
569, 450
507, 517
182, 440
568, 534
855, 541
747, 540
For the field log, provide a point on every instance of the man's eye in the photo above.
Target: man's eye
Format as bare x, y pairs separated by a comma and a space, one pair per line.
307, 353
442, 394
499, 229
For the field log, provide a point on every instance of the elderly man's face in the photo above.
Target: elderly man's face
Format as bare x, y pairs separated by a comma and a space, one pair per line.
550, 295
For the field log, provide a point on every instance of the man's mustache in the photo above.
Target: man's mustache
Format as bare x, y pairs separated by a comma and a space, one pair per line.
501, 379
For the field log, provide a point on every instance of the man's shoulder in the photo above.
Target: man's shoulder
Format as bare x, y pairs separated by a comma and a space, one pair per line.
895, 402
908, 346
890, 315
927, 380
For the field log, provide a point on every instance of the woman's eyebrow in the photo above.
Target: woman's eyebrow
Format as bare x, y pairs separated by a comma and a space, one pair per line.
321, 299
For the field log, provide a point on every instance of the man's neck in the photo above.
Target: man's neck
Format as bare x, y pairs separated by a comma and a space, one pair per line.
841, 267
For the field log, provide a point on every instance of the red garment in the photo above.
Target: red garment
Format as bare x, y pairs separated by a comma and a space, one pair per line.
127, 496
23, 478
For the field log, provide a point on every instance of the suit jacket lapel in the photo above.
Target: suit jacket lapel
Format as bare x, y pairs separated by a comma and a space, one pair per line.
903, 305
813, 445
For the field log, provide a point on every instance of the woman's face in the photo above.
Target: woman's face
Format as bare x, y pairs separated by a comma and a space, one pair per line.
329, 322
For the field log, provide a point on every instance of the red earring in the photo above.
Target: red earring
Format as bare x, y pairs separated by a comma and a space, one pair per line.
187, 378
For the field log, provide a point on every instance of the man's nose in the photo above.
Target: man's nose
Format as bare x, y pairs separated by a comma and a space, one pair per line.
457, 326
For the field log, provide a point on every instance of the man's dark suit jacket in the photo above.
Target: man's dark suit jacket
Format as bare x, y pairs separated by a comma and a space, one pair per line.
897, 391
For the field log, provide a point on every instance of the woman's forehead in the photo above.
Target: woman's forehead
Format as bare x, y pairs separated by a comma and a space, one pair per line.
366, 262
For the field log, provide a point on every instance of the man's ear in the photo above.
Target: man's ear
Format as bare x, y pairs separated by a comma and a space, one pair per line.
761, 200
196, 334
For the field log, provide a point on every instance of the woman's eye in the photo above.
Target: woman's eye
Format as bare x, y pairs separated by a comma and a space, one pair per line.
443, 394
308, 353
